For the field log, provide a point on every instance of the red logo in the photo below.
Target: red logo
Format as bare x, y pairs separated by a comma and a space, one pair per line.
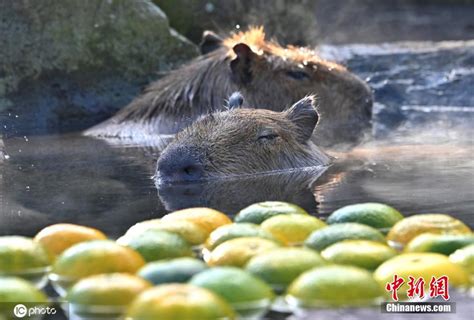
394, 286
416, 287
439, 287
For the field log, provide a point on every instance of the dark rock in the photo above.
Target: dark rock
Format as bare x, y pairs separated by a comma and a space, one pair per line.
416, 84
66, 65
311, 22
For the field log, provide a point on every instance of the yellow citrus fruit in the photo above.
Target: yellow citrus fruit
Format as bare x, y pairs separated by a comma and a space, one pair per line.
440, 243
207, 218
420, 264
15, 290
324, 237
95, 257
259, 212
236, 230
58, 237
279, 267
192, 232
376, 215
113, 289
178, 302
157, 245
18, 254
236, 252
359, 253
405, 230
292, 229
334, 286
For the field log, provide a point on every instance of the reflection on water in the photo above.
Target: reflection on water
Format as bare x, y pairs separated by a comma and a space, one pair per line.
232, 195
75, 179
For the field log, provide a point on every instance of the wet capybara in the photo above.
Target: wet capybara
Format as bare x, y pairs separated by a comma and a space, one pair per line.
270, 76
243, 141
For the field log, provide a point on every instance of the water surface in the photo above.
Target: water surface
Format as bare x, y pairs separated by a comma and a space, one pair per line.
70, 178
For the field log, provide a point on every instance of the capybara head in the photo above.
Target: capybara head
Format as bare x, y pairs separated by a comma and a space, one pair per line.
243, 141
269, 75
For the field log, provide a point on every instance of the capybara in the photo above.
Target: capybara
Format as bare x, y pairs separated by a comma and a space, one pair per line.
243, 141
270, 76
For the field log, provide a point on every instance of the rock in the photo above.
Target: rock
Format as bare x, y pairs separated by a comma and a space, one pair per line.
291, 22
311, 22
416, 84
66, 65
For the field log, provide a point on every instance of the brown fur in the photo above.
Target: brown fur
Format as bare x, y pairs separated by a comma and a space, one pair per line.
230, 143
255, 39
262, 75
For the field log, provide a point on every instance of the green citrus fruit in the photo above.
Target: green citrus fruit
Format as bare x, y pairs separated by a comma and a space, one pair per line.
405, 230
15, 290
359, 253
178, 270
279, 267
239, 288
233, 284
440, 243
157, 245
259, 212
334, 286
323, 238
179, 302
18, 254
376, 215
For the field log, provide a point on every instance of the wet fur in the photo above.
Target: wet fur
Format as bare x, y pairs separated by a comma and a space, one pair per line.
201, 87
228, 143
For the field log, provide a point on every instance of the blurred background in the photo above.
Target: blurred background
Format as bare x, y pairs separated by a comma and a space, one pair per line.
65, 66
311, 22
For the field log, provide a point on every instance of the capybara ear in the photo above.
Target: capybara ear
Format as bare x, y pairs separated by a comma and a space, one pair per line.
236, 100
304, 114
241, 64
210, 41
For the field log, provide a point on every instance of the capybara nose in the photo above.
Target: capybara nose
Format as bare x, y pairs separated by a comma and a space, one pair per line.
177, 166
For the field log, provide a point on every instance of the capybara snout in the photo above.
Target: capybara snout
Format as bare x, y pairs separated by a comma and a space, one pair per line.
243, 141
181, 163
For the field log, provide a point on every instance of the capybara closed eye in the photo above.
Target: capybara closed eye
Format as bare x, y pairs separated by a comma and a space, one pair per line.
243, 141
268, 75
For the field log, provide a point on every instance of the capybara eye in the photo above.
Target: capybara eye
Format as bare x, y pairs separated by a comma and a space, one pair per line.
298, 75
268, 136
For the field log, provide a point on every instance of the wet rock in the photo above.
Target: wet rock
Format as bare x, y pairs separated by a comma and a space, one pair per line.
311, 22
289, 21
416, 84
66, 65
